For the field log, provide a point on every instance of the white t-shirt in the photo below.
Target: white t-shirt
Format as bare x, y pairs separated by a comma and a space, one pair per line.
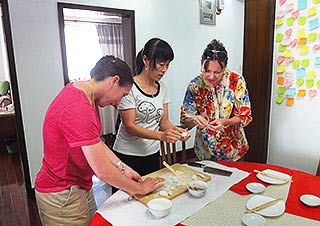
149, 110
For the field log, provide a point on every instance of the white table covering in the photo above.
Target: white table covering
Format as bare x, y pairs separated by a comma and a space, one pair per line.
121, 212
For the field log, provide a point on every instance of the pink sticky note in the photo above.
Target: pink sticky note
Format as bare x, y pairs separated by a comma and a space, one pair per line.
288, 84
290, 59
316, 47
289, 7
286, 41
312, 93
288, 33
293, 43
295, 14
282, 2
281, 59
281, 14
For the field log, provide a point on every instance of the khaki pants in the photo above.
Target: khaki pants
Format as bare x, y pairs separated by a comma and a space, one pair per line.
73, 206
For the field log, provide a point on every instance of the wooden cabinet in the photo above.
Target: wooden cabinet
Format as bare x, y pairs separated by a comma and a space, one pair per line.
7, 125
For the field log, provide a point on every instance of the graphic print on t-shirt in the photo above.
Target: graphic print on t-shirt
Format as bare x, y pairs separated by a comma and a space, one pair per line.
150, 112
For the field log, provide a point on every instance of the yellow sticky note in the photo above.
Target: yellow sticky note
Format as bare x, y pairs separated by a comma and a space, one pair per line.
295, 64
305, 63
312, 11
301, 33
312, 36
311, 74
304, 50
290, 101
287, 53
301, 93
279, 22
281, 68
290, 21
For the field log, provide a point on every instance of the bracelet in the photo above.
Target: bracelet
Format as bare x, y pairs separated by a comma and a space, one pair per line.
121, 166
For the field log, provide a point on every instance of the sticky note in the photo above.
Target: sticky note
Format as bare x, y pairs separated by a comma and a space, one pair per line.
279, 99
289, 7
312, 36
286, 41
302, 4
290, 60
317, 61
290, 101
304, 50
281, 48
299, 82
310, 83
311, 74
287, 53
281, 68
318, 84
295, 14
301, 33
288, 33
293, 43
281, 90
305, 63
279, 22
316, 1
301, 93
313, 24
312, 11
316, 47
302, 20
280, 80
295, 64
280, 59
281, 14
279, 37
302, 41
290, 21
301, 72
291, 92
312, 93
282, 2
288, 83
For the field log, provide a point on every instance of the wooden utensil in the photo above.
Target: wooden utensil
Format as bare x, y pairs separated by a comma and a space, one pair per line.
270, 203
271, 175
175, 173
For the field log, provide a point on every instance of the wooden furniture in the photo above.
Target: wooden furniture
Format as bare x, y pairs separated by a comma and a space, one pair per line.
7, 125
169, 153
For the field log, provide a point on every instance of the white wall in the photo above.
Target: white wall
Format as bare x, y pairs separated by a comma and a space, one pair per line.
38, 58
294, 131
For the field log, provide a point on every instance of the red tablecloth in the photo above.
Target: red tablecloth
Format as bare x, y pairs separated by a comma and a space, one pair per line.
303, 183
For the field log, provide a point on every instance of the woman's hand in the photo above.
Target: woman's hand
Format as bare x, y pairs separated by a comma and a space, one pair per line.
150, 184
171, 135
130, 173
200, 121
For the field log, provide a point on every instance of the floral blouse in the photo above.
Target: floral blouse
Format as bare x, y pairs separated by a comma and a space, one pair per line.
229, 98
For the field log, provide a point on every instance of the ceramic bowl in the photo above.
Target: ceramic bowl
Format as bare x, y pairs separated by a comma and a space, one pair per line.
199, 188
159, 207
255, 187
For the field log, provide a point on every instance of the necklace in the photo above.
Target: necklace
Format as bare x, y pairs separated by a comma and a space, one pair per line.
92, 93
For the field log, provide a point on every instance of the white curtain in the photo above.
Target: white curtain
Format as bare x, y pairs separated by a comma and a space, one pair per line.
111, 43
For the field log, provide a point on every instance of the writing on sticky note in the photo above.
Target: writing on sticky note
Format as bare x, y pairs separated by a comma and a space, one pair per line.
312, 11
302, 20
305, 63
312, 36
291, 92
279, 37
301, 92
279, 99
301, 72
290, 101
313, 24
317, 61
295, 64
304, 50
299, 82
281, 68
280, 80
311, 74
301, 33
309, 83
302, 4
290, 21
287, 53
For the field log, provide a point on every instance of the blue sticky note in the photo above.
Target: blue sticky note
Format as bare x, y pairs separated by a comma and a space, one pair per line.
302, 4
313, 24
317, 61
291, 92
301, 72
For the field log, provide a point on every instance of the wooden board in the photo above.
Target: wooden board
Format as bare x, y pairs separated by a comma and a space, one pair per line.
170, 182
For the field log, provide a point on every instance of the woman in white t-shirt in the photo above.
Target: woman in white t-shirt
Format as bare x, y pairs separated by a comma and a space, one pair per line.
144, 111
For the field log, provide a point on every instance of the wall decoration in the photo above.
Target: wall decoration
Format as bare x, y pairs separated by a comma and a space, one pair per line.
207, 12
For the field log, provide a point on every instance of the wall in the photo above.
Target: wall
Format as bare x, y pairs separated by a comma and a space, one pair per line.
294, 130
38, 58
4, 70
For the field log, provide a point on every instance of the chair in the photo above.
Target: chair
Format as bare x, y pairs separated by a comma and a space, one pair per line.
169, 153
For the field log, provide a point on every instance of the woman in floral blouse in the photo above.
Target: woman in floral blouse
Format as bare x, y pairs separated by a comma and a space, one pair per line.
217, 102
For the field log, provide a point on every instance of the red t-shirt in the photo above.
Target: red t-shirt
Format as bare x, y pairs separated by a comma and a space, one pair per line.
70, 122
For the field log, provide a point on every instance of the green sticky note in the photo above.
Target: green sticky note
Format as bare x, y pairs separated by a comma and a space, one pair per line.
281, 48
281, 90
299, 82
279, 99
312, 36
316, 1
305, 63
310, 83
302, 20
296, 63
279, 37
318, 84
290, 21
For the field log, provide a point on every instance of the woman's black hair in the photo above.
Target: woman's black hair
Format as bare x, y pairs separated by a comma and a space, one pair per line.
214, 51
109, 66
155, 50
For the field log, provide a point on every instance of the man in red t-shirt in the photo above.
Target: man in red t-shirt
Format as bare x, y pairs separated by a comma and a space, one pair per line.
73, 151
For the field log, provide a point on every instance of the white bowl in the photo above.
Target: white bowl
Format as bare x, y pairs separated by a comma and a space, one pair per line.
255, 187
159, 207
310, 200
253, 219
200, 188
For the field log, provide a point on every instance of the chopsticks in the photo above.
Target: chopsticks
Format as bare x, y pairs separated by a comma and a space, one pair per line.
175, 173
270, 203
272, 176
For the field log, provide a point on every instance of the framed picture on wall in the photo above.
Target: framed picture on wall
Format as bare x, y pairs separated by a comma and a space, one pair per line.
207, 12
